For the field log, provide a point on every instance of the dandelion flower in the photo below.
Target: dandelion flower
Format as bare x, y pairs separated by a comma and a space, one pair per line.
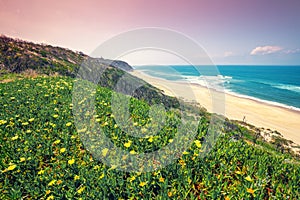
142, 184
68, 124
170, 140
71, 162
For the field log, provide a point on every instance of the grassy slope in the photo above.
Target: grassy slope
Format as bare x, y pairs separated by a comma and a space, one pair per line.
39, 143
240, 161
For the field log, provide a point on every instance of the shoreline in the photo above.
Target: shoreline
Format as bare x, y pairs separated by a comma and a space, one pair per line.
258, 113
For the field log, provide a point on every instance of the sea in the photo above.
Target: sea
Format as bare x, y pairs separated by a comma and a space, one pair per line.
277, 85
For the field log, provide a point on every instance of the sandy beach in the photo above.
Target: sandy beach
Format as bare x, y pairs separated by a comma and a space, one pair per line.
259, 114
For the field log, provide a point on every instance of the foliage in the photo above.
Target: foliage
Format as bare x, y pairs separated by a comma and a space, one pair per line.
43, 157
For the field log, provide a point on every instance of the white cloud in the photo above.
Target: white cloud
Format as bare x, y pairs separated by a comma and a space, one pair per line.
263, 50
292, 51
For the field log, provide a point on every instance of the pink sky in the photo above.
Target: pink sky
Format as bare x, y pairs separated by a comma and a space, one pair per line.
228, 29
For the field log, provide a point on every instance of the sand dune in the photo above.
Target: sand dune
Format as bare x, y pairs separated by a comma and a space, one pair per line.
284, 120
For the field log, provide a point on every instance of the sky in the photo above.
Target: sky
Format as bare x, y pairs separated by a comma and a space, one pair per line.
230, 31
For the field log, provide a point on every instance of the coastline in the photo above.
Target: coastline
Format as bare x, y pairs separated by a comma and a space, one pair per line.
235, 107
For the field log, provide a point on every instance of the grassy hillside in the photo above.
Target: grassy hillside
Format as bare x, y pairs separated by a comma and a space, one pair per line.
19, 57
44, 156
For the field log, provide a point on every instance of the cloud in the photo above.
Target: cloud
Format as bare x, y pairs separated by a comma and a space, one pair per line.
292, 51
263, 50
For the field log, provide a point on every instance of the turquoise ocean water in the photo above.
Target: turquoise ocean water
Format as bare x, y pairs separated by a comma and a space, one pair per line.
278, 85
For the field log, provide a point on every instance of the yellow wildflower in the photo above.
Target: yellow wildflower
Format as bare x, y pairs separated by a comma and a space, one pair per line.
10, 168
48, 192
59, 182
55, 116
51, 182
250, 190
132, 152
80, 190
238, 172
248, 178
132, 178
104, 152
71, 162
127, 144
181, 162
102, 176
68, 124
142, 184
31, 120
197, 143
3, 121
25, 123
15, 137
50, 197
41, 172
227, 198
62, 150
150, 139
170, 140
161, 179
56, 142
76, 177
22, 159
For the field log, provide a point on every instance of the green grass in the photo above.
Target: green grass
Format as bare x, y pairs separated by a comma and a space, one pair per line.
44, 157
